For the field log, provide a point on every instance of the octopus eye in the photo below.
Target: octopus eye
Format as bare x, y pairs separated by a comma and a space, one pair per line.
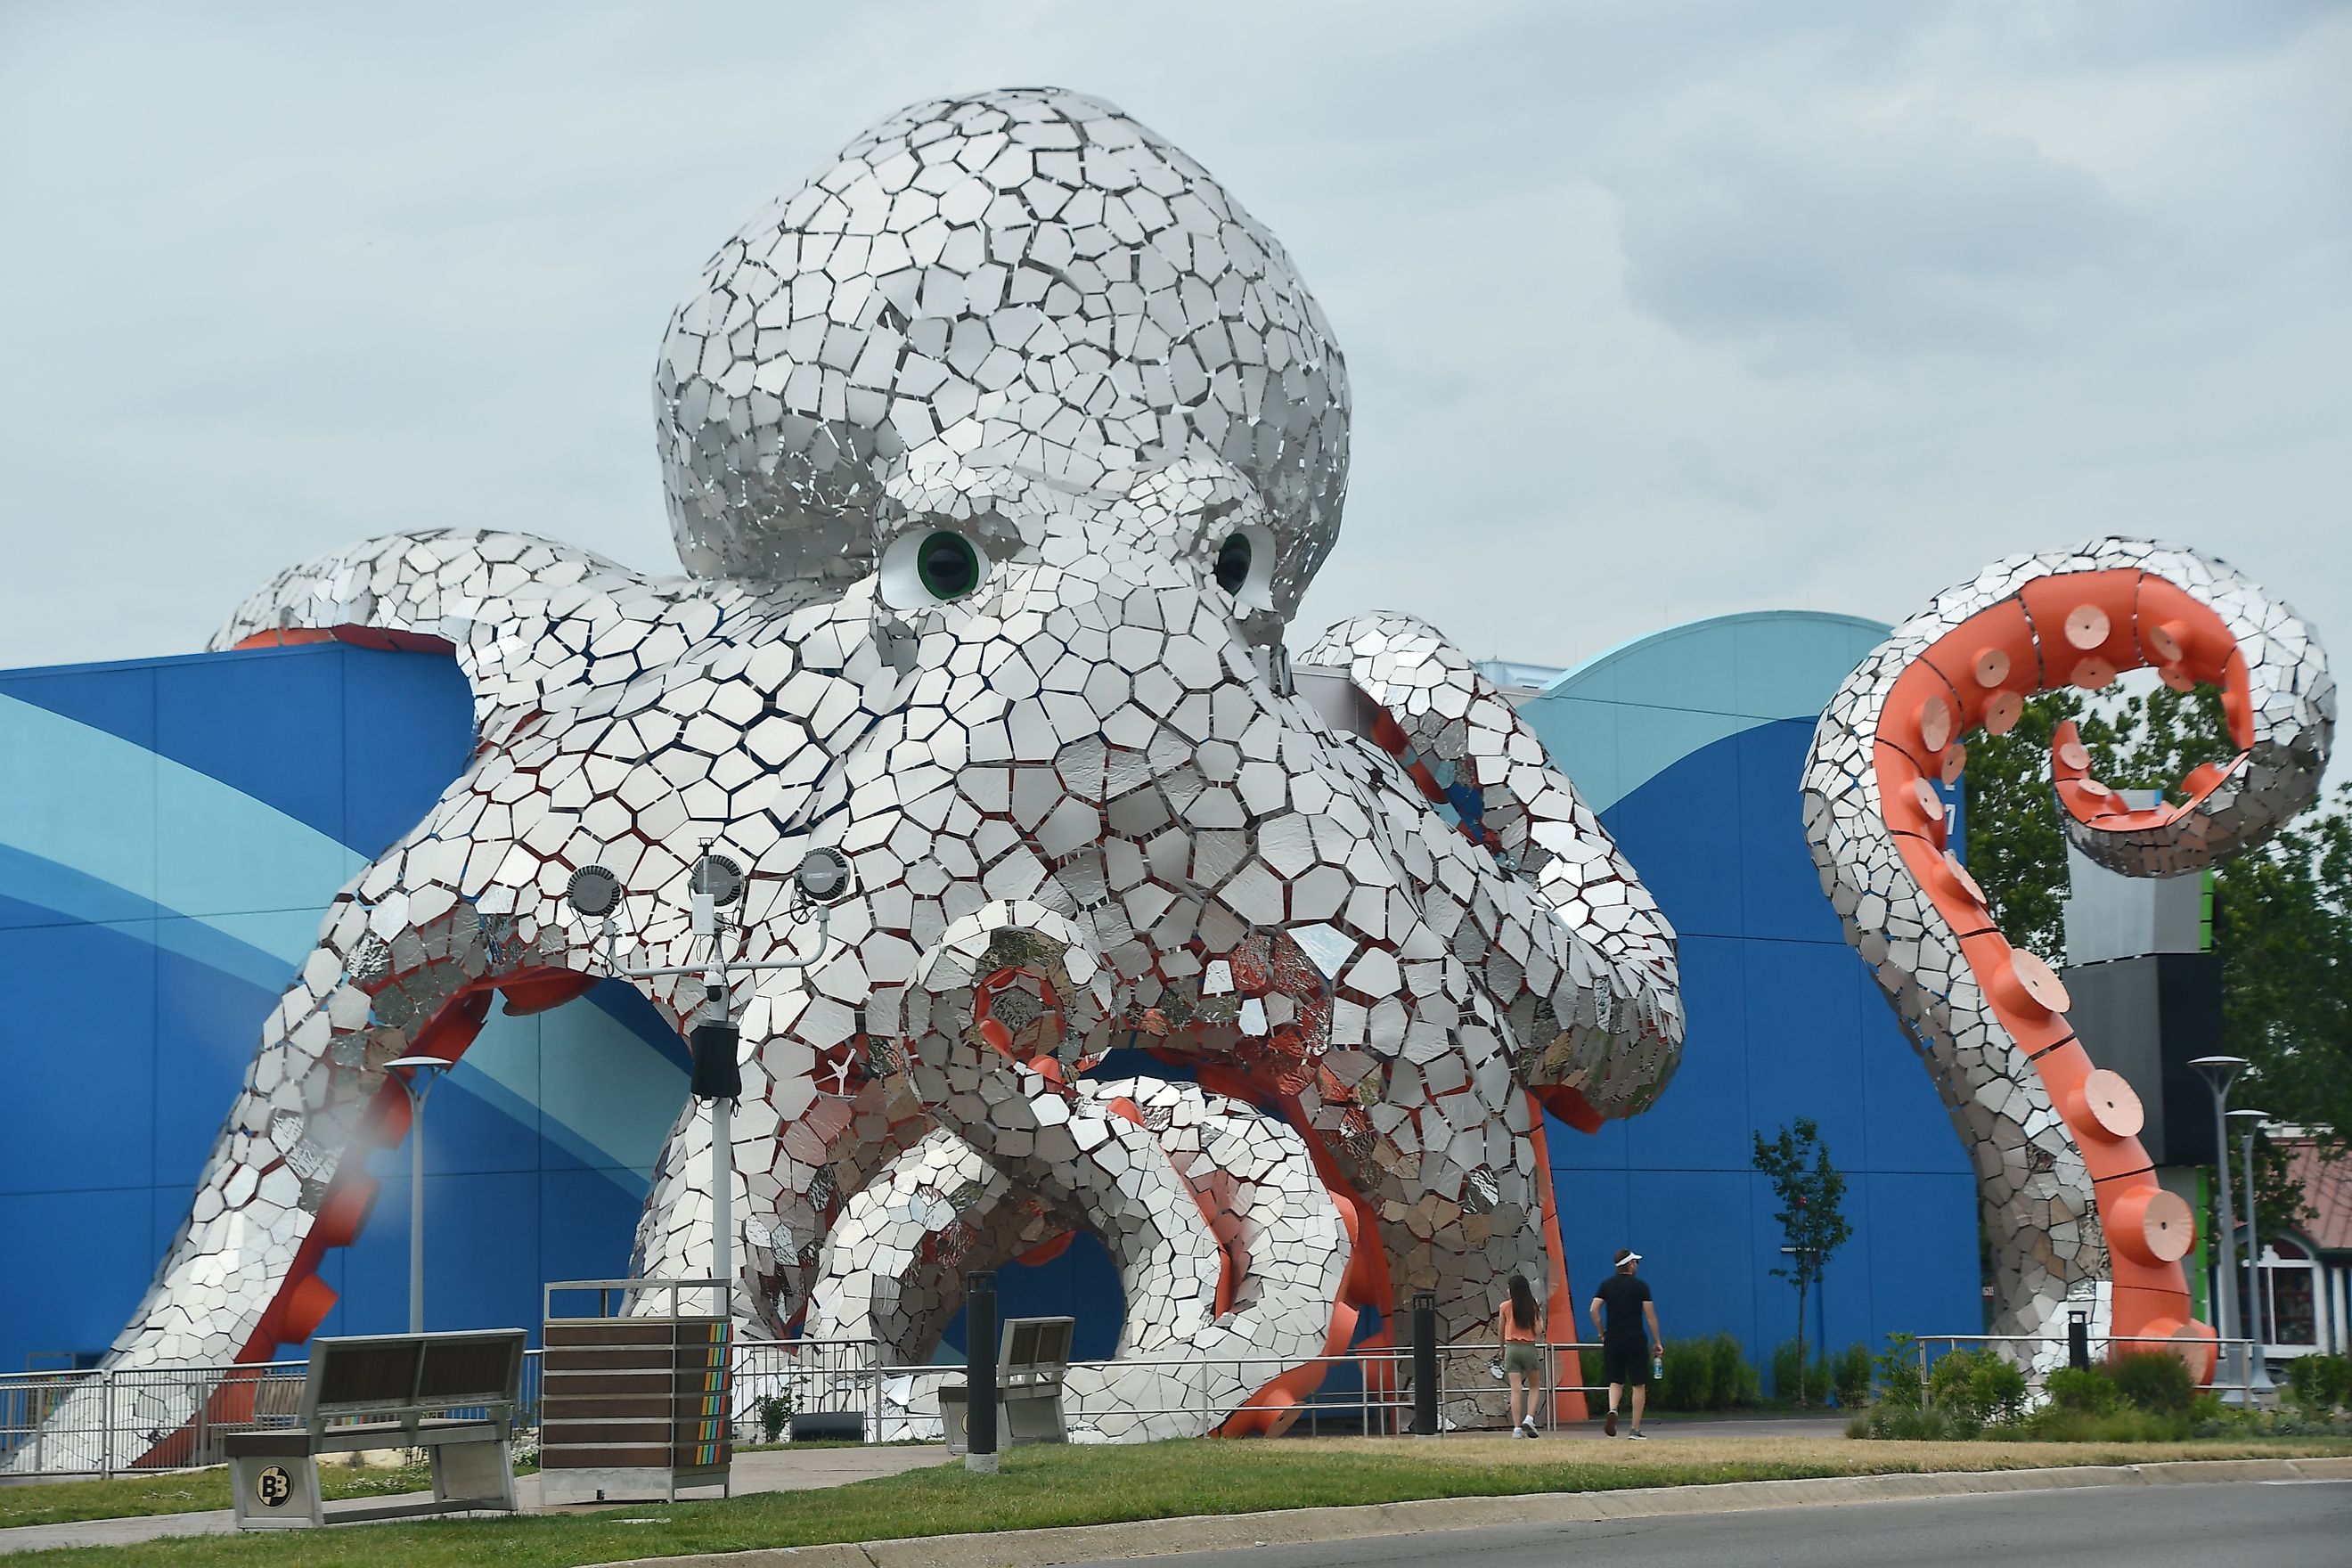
948, 565
1233, 562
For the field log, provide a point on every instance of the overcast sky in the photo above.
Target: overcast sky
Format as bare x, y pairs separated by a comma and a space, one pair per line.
1653, 312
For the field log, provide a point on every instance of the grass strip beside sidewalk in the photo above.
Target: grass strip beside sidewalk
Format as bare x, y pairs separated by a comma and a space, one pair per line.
184, 1492
1044, 1486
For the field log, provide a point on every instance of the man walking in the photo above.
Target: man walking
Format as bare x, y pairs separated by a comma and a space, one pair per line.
1625, 1343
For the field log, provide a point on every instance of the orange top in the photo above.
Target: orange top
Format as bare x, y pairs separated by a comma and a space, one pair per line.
1512, 1328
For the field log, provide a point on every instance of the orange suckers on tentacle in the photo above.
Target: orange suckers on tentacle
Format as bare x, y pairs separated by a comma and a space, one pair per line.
2082, 629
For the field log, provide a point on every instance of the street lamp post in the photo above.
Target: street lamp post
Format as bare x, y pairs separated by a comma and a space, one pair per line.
417, 1079
2258, 1380
822, 880
2218, 1073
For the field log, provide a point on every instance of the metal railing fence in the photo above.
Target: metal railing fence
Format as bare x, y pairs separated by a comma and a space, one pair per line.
2039, 1355
104, 1422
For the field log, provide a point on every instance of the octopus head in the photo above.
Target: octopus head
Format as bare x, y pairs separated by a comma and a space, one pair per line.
1016, 300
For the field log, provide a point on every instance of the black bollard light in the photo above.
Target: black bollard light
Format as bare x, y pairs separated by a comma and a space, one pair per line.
980, 1366
1424, 1363
2078, 1338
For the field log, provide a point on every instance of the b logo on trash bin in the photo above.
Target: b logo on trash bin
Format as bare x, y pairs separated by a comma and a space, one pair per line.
273, 1487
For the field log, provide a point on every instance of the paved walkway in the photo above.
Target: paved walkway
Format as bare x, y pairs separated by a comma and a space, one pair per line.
770, 1470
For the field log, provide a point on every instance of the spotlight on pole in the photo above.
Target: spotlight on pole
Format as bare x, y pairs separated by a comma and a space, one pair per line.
593, 891
823, 877
718, 878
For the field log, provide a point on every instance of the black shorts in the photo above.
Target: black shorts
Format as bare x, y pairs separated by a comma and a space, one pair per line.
1625, 1361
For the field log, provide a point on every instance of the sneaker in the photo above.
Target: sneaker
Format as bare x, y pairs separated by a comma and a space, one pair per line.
1518, 1432
1609, 1426
1639, 1434
1528, 1426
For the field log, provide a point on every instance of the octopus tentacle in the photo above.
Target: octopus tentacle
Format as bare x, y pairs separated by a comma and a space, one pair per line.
1190, 1208
2068, 1191
1596, 1004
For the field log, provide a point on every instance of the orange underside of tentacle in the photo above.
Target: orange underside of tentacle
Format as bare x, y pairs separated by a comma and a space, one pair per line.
380, 637
303, 1299
1560, 1301
2082, 629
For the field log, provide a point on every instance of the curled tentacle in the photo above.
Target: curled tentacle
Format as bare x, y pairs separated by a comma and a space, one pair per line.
1227, 1243
2068, 1193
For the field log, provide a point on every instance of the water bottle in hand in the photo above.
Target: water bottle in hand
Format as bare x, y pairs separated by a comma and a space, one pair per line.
1658, 1368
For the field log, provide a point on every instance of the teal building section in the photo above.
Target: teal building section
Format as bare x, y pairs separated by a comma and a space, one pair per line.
1689, 744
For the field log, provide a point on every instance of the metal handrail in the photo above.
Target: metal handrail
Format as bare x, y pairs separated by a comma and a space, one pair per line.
2056, 1347
134, 1427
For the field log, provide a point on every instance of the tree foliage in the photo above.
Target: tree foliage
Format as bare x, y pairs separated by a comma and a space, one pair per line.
1813, 1214
2282, 912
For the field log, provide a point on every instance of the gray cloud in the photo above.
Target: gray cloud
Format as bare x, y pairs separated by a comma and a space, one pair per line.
1652, 312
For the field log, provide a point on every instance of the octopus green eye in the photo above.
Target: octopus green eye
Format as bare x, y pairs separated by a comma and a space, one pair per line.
949, 566
1233, 562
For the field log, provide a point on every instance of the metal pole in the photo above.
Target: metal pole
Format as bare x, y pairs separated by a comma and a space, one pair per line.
2258, 1372
722, 1204
2218, 1072
1424, 1363
979, 1365
415, 1204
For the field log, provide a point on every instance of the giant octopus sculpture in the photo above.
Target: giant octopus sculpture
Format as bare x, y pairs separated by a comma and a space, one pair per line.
998, 455
2069, 1195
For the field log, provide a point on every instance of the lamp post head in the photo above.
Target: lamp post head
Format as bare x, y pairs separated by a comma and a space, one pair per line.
2220, 1071
2249, 1121
414, 1077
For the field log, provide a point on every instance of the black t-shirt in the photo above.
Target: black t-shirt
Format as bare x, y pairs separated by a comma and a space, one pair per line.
1621, 1296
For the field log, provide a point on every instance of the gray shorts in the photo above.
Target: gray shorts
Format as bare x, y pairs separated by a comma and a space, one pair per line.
1523, 1358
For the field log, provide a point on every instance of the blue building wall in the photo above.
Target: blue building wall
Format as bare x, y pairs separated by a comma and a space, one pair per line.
171, 831
1689, 744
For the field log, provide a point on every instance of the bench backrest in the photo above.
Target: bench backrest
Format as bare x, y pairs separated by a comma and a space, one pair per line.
1034, 1350
407, 1375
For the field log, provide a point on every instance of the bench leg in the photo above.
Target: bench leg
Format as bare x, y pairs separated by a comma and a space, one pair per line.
276, 1493
473, 1475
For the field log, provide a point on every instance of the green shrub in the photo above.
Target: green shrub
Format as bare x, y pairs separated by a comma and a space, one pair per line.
2062, 1424
1689, 1380
1710, 1374
1851, 1375
1977, 1387
2090, 1390
1915, 1423
2154, 1381
1784, 1375
1898, 1371
2320, 1383
1735, 1385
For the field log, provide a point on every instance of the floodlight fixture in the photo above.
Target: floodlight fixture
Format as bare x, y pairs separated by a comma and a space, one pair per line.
719, 878
823, 877
593, 891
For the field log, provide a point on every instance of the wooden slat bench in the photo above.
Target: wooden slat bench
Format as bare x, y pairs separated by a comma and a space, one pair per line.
389, 1391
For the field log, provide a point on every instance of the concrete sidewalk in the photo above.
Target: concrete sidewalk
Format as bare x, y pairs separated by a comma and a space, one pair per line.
768, 1470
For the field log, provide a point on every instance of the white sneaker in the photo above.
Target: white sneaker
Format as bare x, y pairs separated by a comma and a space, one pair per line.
1528, 1426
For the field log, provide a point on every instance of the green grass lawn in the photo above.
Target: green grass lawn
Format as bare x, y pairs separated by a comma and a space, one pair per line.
181, 1491
1090, 1485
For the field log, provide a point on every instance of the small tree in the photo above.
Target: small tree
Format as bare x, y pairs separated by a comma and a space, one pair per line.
1812, 1219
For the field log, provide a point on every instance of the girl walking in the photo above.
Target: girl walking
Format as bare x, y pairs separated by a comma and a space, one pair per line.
1519, 1326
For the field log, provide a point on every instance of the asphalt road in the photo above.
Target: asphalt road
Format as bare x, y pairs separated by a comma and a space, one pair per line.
2304, 1524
